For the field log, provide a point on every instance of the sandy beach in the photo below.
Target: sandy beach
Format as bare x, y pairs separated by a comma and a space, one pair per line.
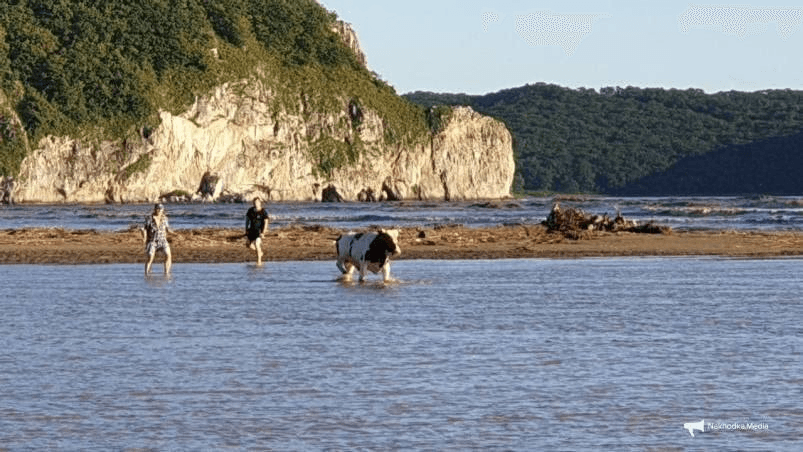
59, 246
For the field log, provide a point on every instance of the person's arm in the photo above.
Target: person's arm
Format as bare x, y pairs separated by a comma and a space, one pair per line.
247, 221
146, 229
265, 223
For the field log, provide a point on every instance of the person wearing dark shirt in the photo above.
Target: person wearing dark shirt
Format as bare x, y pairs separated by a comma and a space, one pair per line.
256, 223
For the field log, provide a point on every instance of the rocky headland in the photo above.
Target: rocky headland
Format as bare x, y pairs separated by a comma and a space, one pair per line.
250, 138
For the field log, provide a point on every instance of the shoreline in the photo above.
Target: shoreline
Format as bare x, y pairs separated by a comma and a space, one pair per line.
315, 242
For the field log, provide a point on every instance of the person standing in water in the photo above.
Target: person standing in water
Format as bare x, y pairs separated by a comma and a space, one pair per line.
256, 224
154, 234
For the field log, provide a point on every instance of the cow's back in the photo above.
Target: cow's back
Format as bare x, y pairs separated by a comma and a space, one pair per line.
354, 246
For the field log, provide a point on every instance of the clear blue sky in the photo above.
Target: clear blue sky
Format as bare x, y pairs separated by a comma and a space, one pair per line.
482, 46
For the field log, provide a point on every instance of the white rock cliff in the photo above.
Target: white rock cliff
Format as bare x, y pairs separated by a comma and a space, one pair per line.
350, 39
250, 147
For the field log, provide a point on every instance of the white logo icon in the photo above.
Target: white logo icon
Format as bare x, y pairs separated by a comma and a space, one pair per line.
692, 426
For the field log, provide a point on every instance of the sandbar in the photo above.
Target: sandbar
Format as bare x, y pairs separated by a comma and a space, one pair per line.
315, 242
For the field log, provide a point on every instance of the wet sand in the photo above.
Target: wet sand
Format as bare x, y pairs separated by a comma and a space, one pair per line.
59, 246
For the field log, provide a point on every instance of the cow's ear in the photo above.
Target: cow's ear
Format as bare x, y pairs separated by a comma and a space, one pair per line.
382, 231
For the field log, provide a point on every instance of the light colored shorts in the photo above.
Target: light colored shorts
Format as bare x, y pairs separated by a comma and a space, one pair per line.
157, 245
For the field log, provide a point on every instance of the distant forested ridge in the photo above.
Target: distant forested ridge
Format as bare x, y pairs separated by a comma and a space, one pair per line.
102, 69
641, 141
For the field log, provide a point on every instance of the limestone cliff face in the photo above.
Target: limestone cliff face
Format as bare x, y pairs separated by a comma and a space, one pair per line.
473, 157
237, 142
252, 150
349, 37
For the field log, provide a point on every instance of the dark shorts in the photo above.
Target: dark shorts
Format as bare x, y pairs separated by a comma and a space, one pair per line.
252, 235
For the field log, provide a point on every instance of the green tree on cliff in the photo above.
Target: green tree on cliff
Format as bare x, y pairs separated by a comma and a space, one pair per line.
78, 67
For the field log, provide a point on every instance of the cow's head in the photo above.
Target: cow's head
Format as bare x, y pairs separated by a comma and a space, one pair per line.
389, 239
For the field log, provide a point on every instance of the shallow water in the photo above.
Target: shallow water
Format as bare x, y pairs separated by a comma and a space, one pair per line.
510, 354
682, 213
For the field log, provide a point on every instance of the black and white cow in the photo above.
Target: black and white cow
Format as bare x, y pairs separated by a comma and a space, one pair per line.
367, 251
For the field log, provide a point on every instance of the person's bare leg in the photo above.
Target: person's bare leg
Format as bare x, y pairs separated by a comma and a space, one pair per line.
168, 261
148, 264
258, 247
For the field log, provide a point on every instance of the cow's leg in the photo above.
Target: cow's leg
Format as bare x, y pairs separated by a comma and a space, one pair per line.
363, 266
346, 268
386, 271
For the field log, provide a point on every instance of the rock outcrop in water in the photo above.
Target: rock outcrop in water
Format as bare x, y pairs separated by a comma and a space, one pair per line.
238, 142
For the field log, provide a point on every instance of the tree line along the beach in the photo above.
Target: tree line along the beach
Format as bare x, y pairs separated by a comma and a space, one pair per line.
102, 69
642, 141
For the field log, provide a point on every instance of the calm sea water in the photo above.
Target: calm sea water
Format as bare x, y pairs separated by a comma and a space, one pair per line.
591, 354
755, 213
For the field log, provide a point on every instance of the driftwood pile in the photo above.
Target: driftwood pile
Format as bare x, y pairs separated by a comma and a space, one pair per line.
577, 224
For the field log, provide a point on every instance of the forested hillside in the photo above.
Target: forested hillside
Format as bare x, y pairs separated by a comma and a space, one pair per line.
631, 140
101, 69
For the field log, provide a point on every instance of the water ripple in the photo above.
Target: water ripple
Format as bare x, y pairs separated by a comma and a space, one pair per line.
508, 355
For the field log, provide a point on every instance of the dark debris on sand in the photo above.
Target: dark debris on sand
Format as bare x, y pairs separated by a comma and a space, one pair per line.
576, 224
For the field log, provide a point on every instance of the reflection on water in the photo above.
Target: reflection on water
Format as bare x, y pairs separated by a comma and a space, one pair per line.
766, 213
158, 279
509, 354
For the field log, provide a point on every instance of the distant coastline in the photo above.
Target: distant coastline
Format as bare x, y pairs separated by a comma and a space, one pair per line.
646, 141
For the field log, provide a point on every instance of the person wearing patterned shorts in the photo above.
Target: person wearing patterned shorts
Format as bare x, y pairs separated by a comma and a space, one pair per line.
154, 234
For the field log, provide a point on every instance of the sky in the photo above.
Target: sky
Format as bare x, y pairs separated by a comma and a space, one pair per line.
483, 46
